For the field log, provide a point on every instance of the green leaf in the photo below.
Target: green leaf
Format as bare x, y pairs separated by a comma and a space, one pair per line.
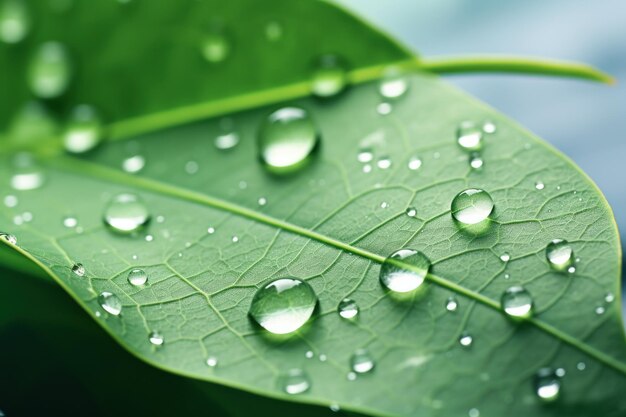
325, 223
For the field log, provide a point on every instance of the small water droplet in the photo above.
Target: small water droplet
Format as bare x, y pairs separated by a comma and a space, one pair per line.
489, 127
235, 239
287, 139
411, 211
335, 408
134, 164
466, 339
609, 297
476, 161
110, 303
284, 305
8, 238
469, 136
361, 361
472, 206
505, 257
83, 131
581, 366
600, 310
547, 384
49, 71
295, 381
149, 238
348, 309
137, 277
262, 201
414, 163
365, 155
367, 168
540, 185
70, 222
156, 338
330, 77
560, 372
323, 357
384, 162
384, 205
517, 302
452, 304
191, 167
397, 278
78, 269
473, 412
309, 354
10, 201
14, 21
26, 175
571, 269
126, 213
226, 141
210, 230
211, 362
351, 376
393, 85
273, 31
384, 109
559, 254
215, 46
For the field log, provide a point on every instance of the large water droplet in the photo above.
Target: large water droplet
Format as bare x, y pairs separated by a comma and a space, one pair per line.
26, 175
469, 136
156, 338
295, 381
348, 309
329, 78
137, 277
50, 71
393, 85
361, 361
399, 279
283, 305
287, 139
8, 238
547, 384
110, 303
215, 46
472, 206
14, 21
126, 213
517, 302
84, 130
560, 254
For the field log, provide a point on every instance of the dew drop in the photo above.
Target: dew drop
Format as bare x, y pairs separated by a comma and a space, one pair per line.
452, 304
540, 185
367, 168
84, 130
137, 277
399, 279
14, 21
384, 109
262, 201
235, 239
27, 175
330, 77
609, 297
211, 362
466, 339
365, 155
215, 47
134, 164
384, 162
348, 309
414, 163
8, 238
560, 372
335, 408
273, 31
284, 305
309, 354
287, 139
226, 141
351, 376
384, 205
505, 257
411, 211
110, 303
49, 71
560, 255
393, 85
79, 270
156, 338
476, 161
473, 412
70, 222
191, 167
517, 302
489, 127
547, 385
295, 381
472, 206
361, 361
10, 201
469, 136
210, 230
581, 366
126, 213
600, 310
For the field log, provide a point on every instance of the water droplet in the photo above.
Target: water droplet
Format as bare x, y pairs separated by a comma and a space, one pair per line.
365, 155
226, 141
215, 46
469, 136
540, 185
49, 71
384, 109
27, 175
70, 222
191, 167
547, 384
393, 85
452, 304
473, 412
335, 408
489, 127
581, 366
149, 238
397, 278
137, 277
309, 354
559, 254
560, 372
14, 21
415, 163
600, 310
476, 161
294, 382
287, 139
210, 230
384, 162
505, 257
609, 297
262, 201
211, 362
411, 211
351, 376
84, 130
235, 239
367, 168
156, 338
348, 309
571, 269
322, 357
126, 213
330, 77
517, 302
472, 206
8, 238
273, 31
284, 305
466, 339
10, 201
384, 204
78, 269
361, 361
110, 303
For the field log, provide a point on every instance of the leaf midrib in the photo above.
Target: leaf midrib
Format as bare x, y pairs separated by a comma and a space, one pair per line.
105, 173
